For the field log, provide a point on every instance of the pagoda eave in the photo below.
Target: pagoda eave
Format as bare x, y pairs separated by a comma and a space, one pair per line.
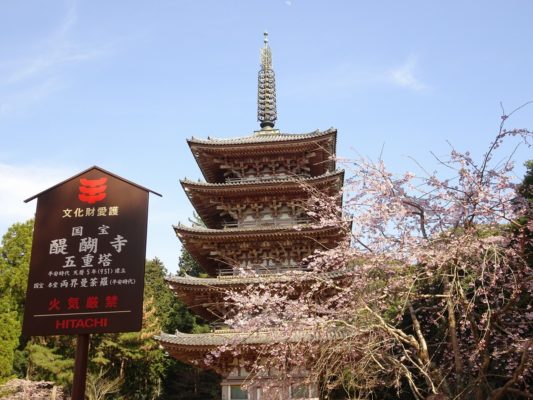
220, 284
205, 296
196, 346
211, 340
195, 349
254, 233
261, 185
207, 198
263, 139
209, 246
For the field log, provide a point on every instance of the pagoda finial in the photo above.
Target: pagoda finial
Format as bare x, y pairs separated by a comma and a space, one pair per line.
266, 90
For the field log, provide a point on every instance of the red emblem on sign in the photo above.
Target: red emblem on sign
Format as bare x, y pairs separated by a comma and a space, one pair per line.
92, 190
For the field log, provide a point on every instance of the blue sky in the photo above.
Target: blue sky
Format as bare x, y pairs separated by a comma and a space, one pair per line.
122, 84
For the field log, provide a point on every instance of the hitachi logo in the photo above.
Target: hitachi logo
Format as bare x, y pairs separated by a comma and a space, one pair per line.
81, 323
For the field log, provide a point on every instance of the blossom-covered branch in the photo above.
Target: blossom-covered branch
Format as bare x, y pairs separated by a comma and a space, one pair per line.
430, 297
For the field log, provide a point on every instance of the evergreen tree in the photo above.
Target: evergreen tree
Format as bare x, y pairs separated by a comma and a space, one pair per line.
188, 265
132, 358
171, 312
51, 359
526, 187
14, 266
181, 381
9, 339
525, 190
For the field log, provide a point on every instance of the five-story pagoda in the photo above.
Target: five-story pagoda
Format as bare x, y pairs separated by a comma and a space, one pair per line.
254, 195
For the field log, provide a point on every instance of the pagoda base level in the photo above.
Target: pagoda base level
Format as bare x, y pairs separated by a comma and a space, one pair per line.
233, 382
232, 390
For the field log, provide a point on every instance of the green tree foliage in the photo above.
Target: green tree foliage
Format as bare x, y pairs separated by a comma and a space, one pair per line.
133, 358
14, 265
9, 339
171, 312
51, 359
181, 381
525, 190
188, 265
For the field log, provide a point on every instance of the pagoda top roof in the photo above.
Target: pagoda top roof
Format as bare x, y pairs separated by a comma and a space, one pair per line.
319, 146
262, 137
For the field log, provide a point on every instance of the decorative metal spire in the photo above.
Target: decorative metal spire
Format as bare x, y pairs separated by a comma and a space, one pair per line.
266, 90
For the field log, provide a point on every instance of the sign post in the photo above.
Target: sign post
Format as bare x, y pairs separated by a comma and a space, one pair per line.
87, 263
80, 366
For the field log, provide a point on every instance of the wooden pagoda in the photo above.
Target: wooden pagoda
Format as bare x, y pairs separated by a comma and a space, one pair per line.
255, 193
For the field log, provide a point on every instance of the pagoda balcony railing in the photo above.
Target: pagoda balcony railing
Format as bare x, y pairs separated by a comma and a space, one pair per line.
218, 326
260, 270
265, 178
267, 223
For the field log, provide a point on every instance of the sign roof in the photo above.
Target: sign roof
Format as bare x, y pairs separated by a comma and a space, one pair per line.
85, 171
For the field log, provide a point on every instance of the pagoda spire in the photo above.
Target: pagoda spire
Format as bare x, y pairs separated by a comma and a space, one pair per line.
266, 89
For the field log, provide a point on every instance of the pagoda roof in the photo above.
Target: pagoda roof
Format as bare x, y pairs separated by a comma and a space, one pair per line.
247, 234
204, 237
227, 336
263, 137
188, 282
194, 346
264, 143
201, 193
259, 184
205, 296
194, 283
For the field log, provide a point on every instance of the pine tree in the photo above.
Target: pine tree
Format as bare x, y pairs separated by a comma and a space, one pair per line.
188, 265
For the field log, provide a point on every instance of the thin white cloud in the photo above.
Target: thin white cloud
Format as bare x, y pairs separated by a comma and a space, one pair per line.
20, 182
68, 22
26, 79
29, 68
288, 2
52, 50
405, 76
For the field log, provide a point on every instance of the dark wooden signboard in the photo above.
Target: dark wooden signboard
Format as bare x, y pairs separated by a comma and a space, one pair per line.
87, 263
